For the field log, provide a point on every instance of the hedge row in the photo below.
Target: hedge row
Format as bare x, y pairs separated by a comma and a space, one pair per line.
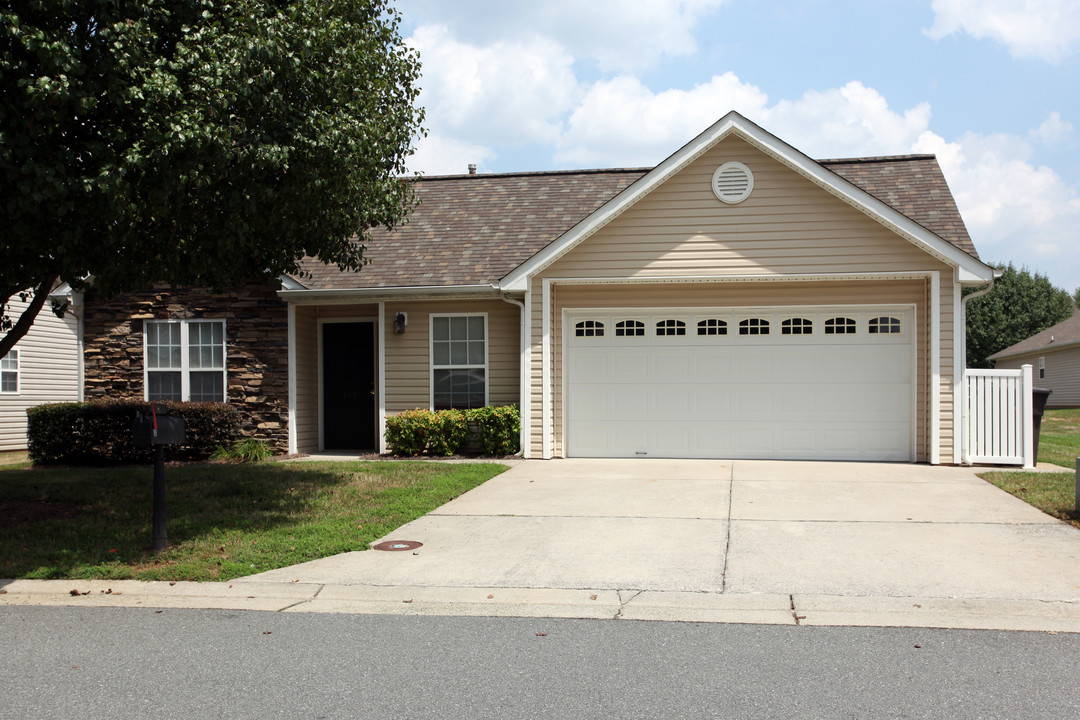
494, 430
100, 432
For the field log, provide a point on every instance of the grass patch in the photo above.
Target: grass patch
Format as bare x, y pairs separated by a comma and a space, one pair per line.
225, 520
1059, 437
14, 460
1053, 493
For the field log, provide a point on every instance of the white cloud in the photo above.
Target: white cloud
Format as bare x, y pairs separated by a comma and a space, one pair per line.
1053, 131
618, 35
622, 122
1015, 211
510, 92
441, 155
1046, 29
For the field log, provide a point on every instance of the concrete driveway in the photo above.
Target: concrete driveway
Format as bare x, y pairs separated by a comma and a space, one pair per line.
738, 541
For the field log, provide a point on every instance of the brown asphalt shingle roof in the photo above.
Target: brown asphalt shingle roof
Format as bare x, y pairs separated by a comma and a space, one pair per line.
1064, 333
914, 185
475, 229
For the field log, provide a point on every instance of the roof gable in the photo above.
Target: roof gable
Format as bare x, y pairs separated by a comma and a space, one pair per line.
971, 270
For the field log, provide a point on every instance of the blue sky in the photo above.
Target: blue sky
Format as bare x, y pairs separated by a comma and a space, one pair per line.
992, 87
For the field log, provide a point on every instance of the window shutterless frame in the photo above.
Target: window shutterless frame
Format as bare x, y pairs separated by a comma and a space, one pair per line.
185, 360
9, 373
459, 376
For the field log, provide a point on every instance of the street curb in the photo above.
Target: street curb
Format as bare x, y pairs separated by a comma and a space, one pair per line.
703, 607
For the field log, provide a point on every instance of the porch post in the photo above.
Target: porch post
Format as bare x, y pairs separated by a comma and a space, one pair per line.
1027, 419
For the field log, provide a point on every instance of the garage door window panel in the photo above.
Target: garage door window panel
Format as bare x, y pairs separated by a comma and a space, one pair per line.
629, 328
459, 361
589, 328
754, 326
712, 326
797, 326
885, 325
671, 327
841, 326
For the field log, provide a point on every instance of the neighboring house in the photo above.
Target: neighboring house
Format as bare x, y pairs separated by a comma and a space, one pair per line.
43, 367
1054, 356
739, 300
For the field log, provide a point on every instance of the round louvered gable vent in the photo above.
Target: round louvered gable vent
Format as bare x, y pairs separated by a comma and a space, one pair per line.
732, 182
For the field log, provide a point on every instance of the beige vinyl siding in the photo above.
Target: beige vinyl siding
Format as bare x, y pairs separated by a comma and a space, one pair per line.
1062, 373
408, 356
48, 371
306, 410
788, 226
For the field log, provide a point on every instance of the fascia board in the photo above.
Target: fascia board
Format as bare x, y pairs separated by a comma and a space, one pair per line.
971, 270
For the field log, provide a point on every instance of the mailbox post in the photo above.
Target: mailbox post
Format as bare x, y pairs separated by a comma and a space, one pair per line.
158, 429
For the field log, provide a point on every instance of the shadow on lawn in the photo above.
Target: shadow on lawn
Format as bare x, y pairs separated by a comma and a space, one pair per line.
96, 522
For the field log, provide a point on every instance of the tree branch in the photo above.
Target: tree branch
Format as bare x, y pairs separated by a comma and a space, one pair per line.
41, 294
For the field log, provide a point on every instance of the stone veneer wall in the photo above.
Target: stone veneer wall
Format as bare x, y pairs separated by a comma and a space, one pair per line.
256, 343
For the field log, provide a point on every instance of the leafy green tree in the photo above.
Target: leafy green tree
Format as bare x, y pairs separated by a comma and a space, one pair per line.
1020, 305
199, 143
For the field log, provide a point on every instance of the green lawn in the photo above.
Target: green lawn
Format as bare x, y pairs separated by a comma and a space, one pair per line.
225, 521
1053, 493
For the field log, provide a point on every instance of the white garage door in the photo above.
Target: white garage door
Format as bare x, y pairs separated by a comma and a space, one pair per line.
799, 383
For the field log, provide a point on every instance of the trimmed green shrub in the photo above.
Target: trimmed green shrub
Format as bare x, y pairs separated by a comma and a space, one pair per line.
498, 428
445, 432
100, 432
415, 432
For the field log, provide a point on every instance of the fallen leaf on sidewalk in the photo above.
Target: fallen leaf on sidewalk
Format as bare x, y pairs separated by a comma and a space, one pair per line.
592, 597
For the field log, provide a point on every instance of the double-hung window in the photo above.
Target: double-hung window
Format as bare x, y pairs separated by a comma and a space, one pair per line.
458, 361
185, 360
9, 372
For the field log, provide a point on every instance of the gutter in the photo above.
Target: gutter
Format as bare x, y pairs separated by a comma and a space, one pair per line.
340, 296
523, 349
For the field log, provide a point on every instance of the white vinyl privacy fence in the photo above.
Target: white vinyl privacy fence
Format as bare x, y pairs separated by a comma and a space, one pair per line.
998, 423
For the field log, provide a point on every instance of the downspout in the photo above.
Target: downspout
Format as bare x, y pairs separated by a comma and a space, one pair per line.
522, 340
78, 305
964, 457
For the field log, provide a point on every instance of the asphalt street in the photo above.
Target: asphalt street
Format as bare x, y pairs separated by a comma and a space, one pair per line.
121, 663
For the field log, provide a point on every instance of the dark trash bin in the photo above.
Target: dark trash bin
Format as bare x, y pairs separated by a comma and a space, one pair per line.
1039, 396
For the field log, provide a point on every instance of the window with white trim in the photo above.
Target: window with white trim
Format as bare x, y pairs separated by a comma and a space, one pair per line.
1042, 368
458, 362
185, 360
9, 373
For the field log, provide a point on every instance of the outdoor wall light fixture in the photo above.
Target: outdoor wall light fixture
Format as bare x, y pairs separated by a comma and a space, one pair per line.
400, 321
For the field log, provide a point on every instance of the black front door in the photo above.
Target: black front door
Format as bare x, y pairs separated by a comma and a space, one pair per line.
348, 351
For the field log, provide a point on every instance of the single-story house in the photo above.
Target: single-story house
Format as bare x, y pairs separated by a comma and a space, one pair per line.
43, 367
1054, 356
738, 300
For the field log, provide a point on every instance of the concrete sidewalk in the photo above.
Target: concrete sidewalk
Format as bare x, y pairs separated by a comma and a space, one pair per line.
704, 541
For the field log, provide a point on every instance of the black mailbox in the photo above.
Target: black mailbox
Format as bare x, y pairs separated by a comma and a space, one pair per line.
158, 427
